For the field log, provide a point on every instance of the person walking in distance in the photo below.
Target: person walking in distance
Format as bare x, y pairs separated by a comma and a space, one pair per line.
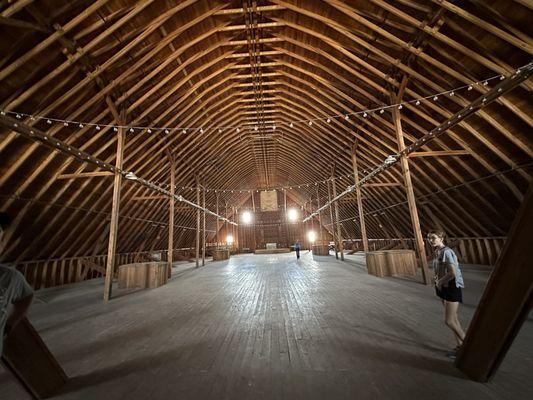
297, 247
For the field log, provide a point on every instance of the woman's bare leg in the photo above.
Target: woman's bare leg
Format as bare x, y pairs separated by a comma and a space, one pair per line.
451, 320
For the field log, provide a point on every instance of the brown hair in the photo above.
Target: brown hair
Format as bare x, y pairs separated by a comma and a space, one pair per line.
439, 233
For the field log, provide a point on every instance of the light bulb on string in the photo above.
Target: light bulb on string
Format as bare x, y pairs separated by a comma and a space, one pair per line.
184, 131
469, 87
291, 125
328, 120
310, 123
400, 107
97, 127
346, 117
49, 122
149, 130
65, 123
382, 111
365, 115
80, 125
435, 98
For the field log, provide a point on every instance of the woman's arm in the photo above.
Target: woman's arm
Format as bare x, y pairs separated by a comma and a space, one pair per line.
448, 277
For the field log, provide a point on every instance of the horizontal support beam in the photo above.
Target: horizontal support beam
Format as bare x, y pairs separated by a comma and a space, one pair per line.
383, 184
85, 175
440, 153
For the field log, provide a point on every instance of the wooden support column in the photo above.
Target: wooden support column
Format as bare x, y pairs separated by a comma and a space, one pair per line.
203, 226
218, 241
286, 219
332, 223
419, 241
339, 233
253, 221
319, 216
360, 209
170, 255
113, 224
197, 222
505, 304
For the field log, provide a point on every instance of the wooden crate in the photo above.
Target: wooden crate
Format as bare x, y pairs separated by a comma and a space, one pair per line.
220, 254
391, 262
142, 275
320, 250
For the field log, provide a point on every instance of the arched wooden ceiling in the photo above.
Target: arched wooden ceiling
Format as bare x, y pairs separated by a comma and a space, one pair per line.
247, 64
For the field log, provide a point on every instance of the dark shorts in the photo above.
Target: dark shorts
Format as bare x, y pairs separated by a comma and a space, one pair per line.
451, 293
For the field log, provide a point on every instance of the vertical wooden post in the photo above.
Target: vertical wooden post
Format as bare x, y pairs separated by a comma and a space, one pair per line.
197, 221
253, 221
170, 255
226, 225
203, 226
319, 216
286, 218
506, 302
218, 241
419, 241
332, 224
236, 231
359, 200
115, 207
339, 233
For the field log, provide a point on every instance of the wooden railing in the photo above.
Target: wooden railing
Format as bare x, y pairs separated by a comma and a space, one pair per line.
56, 272
469, 250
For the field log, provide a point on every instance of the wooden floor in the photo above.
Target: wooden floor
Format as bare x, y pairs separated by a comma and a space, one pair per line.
267, 327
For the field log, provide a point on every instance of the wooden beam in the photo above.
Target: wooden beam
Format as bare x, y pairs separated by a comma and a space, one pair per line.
337, 219
18, 23
140, 198
113, 225
171, 210
84, 175
197, 244
440, 153
319, 216
204, 236
217, 236
505, 304
332, 221
419, 241
381, 184
360, 209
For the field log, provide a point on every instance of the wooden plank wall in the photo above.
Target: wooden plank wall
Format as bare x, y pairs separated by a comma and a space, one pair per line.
56, 272
470, 250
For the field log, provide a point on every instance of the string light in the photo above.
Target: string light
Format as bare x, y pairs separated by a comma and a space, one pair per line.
381, 109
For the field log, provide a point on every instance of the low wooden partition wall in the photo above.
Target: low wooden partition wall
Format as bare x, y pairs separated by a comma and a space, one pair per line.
61, 271
469, 250
148, 275
320, 250
391, 262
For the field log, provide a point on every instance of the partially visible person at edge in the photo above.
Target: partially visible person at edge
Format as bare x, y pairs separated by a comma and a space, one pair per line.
448, 285
14, 290
297, 247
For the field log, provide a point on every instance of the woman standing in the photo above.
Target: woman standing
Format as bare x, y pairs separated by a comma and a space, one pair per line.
448, 285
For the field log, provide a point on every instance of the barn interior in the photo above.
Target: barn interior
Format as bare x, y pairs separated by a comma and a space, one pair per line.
232, 199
